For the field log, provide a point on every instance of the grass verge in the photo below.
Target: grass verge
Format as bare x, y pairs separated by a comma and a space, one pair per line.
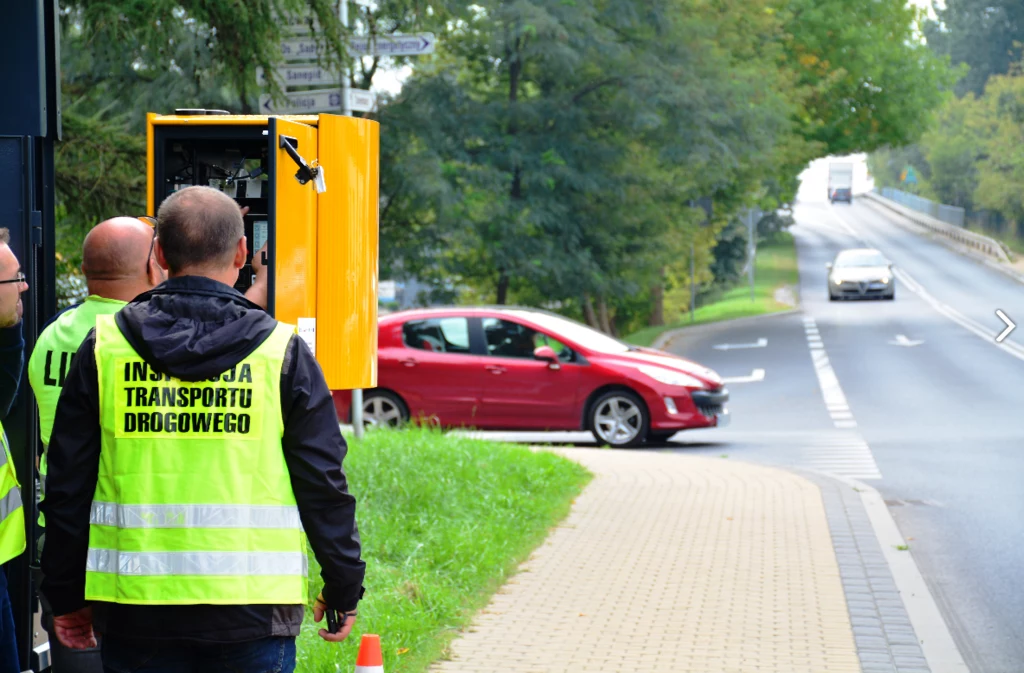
774, 267
444, 520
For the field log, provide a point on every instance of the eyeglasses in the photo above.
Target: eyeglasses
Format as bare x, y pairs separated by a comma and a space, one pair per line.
20, 278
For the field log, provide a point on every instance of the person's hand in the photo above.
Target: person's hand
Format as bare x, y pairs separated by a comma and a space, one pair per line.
245, 210
74, 629
258, 267
348, 621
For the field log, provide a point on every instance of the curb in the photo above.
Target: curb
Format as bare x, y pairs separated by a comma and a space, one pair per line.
666, 337
940, 650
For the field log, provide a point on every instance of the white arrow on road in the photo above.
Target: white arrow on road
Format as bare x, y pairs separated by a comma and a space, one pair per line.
1010, 326
902, 340
761, 343
756, 375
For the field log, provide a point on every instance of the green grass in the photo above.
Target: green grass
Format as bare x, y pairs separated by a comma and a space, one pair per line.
444, 521
774, 267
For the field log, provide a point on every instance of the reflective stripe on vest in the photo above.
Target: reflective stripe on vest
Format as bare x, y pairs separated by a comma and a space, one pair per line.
193, 501
12, 513
9, 503
196, 563
195, 516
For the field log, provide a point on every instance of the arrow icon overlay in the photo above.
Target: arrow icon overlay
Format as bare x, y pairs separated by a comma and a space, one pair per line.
761, 343
756, 375
902, 340
1010, 326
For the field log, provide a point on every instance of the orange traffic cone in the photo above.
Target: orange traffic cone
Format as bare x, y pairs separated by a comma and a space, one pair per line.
370, 660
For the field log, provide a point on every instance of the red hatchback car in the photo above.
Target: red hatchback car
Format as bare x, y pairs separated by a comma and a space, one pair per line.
526, 369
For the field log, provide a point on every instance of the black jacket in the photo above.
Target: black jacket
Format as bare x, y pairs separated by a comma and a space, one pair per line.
12, 360
193, 328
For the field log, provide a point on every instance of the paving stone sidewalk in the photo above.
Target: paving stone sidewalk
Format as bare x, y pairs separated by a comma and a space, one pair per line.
675, 564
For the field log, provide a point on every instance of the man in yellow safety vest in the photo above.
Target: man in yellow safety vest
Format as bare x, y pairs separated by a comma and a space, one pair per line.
12, 514
195, 450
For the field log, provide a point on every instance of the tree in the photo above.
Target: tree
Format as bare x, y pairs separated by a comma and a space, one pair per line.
865, 79
986, 35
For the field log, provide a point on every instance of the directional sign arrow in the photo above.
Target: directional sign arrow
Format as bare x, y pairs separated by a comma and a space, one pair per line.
761, 343
902, 340
1010, 326
756, 375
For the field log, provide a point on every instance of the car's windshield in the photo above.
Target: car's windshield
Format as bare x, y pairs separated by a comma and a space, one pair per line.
861, 258
576, 332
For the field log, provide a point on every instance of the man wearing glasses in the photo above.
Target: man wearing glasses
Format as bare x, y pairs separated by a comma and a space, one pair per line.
12, 516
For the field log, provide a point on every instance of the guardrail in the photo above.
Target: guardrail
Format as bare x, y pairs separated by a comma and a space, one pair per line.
983, 244
954, 215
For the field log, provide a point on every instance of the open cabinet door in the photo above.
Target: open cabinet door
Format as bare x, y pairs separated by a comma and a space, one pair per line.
292, 229
347, 282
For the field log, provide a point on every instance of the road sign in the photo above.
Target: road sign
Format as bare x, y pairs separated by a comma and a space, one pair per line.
393, 45
361, 100
320, 100
386, 290
300, 49
300, 25
303, 102
300, 75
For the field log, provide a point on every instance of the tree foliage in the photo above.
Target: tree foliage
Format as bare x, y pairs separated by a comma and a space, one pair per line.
552, 151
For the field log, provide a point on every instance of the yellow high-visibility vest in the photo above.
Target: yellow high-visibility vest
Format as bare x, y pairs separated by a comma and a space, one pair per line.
51, 359
193, 503
12, 515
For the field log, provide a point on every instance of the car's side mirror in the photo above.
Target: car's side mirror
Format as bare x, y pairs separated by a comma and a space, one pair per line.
828, 265
547, 354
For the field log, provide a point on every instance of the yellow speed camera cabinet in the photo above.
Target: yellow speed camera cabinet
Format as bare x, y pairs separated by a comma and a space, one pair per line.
311, 186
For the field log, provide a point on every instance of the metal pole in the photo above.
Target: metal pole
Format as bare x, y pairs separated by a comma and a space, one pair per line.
750, 250
693, 290
357, 395
345, 109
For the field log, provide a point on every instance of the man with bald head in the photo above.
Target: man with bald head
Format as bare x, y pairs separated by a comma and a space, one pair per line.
117, 260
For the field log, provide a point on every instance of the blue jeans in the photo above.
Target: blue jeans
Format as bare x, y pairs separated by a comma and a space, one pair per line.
8, 640
270, 655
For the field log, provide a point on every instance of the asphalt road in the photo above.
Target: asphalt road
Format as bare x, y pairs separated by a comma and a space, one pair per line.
931, 418
941, 418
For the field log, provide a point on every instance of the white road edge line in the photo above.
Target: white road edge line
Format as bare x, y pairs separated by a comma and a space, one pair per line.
940, 650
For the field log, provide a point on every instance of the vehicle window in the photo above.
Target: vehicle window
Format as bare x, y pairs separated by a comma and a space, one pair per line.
866, 258
438, 335
512, 340
576, 332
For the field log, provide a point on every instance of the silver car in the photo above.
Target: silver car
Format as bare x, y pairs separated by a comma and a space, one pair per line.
861, 273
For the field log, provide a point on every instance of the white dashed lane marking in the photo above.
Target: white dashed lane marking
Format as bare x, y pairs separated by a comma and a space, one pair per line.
848, 455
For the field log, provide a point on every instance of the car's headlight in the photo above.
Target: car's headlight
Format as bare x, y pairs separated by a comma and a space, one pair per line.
837, 280
886, 279
671, 377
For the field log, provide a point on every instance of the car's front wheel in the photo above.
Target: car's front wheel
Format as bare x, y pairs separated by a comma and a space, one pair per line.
619, 418
382, 408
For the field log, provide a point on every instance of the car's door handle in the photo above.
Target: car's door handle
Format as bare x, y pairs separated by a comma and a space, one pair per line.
495, 369
409, 362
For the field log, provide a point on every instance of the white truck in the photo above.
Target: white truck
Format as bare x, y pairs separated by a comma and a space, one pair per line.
840, 181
